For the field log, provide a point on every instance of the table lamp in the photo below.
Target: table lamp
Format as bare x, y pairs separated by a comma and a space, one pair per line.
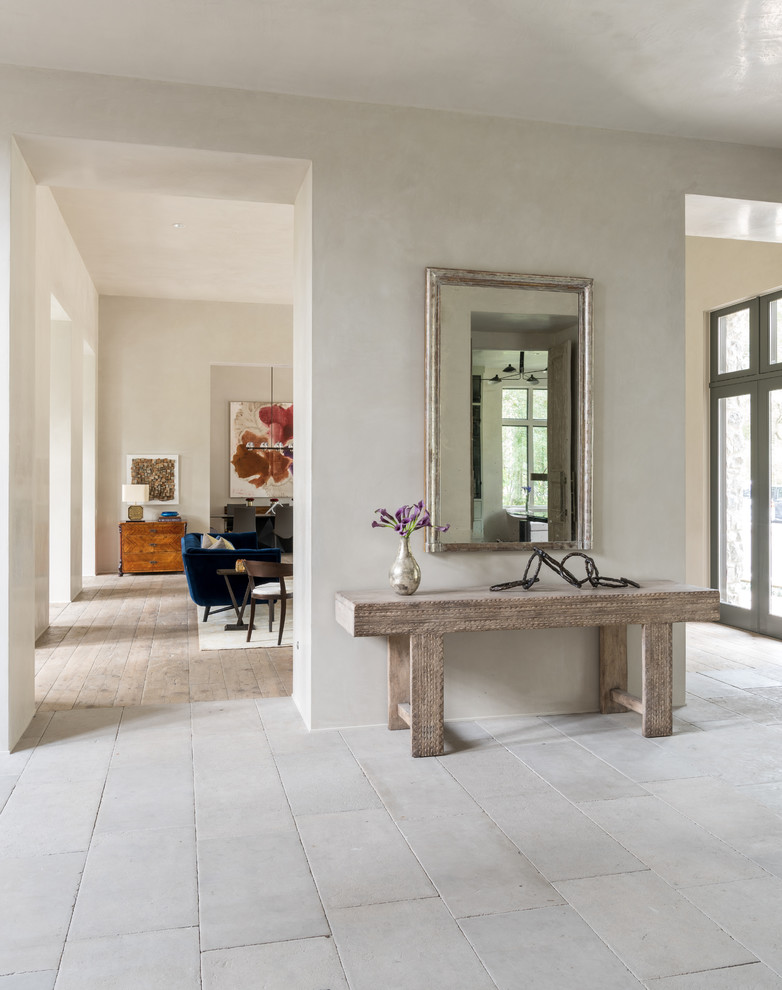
135, 494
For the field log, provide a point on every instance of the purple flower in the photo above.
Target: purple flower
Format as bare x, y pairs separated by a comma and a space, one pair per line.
407, 519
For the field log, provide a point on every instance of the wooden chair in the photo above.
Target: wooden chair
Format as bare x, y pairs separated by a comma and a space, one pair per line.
269, 591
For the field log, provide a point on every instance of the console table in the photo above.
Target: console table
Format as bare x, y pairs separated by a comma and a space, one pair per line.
415, 627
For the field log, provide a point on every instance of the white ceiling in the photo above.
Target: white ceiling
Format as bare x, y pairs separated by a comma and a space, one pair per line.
696, 68
121, 203
224, 250
737, 219
699, 68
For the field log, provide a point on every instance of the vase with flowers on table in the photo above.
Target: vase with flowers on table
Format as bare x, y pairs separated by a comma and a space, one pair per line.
405, 574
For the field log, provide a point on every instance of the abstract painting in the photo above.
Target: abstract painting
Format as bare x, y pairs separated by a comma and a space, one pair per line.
160, 472
267, 472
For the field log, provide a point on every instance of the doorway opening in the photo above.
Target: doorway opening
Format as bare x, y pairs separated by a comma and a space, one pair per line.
60, 454
143, 389
89, 453
733, 255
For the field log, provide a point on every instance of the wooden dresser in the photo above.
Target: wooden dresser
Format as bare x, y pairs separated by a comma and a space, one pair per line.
145, 547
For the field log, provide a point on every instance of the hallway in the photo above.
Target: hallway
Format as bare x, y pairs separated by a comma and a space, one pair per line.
220, 845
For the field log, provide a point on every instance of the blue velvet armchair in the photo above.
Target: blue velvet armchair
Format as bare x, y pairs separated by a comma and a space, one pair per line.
207, 587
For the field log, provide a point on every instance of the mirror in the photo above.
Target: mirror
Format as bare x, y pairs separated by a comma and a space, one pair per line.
509, 425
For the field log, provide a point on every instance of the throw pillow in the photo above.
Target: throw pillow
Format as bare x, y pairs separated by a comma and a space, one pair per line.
209, 542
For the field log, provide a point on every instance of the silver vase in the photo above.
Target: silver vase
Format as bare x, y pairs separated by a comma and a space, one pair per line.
405, 574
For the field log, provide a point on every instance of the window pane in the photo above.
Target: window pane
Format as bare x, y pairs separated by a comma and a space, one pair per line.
733, 342
735, 551
540, 403
514, 465
775, 331
775, 501
540, 448
540, 465
514, 403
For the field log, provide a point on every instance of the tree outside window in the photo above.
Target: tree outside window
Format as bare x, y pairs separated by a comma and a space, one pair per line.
524, 446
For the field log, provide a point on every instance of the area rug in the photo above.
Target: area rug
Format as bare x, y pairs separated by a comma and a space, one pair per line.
212, 634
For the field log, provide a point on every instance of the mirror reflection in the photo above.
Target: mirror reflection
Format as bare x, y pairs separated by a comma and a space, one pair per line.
508, 425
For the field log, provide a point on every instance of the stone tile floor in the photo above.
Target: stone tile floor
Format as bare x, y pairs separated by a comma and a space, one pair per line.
218, 844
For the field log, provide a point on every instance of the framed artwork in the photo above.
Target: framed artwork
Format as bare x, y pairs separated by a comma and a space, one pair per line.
261, 472
160, 472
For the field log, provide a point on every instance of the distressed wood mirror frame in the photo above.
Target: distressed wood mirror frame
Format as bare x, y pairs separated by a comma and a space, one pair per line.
449, 372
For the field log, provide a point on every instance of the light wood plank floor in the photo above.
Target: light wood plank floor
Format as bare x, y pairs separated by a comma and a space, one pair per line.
134, 641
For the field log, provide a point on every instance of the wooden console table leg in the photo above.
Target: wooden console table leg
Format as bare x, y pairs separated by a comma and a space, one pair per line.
657, 660
613, 666
426, 694
398, 679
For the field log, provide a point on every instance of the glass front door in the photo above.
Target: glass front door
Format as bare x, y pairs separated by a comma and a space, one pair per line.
775, 500
746, 465
734, 507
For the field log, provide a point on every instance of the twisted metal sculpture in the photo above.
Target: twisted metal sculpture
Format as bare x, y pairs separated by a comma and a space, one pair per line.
540, 557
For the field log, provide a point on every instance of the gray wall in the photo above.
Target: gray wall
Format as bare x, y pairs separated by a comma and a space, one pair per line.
392, 191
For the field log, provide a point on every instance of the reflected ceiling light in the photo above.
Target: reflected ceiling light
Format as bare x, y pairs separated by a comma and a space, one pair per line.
510, 374
529, 379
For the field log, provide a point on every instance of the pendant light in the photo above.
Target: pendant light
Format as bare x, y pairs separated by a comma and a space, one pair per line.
286, 449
